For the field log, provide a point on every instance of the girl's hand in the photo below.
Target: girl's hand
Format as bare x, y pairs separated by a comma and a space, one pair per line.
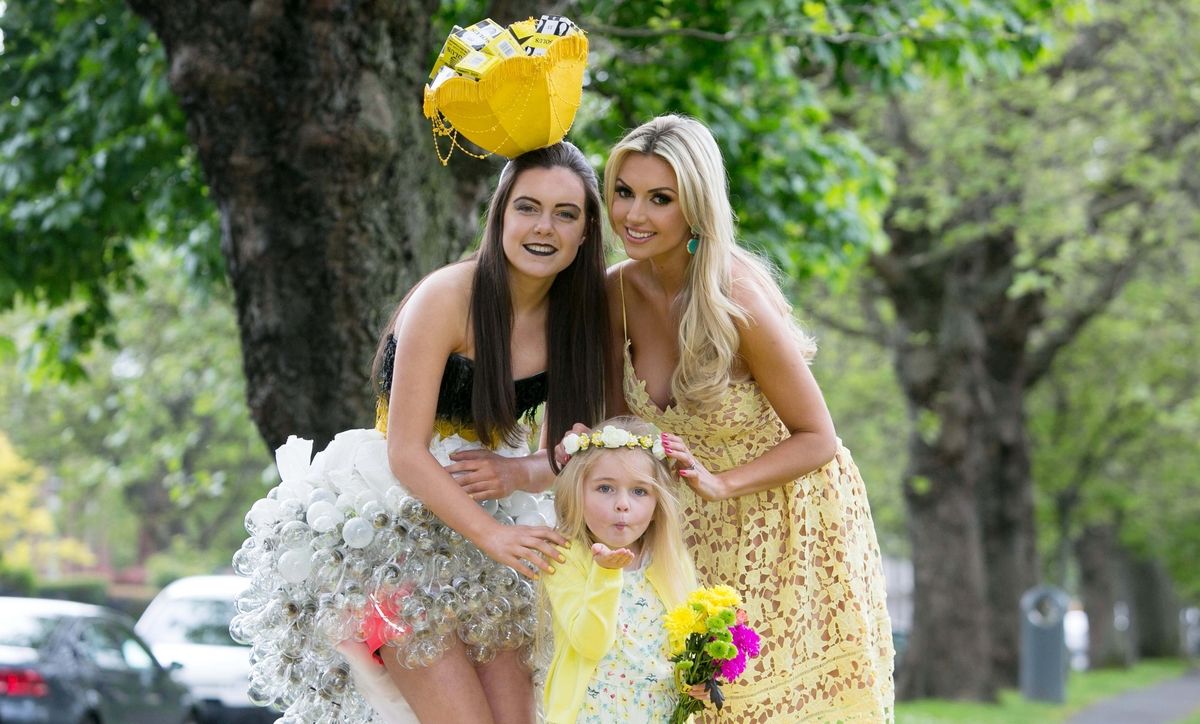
526, 549
699, 693
605, 557
484, 475
703, 483
560, 455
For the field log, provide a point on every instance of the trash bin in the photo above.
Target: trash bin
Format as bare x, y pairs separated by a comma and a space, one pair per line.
1043, 671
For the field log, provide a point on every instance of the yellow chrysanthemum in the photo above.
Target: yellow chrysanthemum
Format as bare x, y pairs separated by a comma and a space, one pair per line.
725, 596
714, 599
680, 622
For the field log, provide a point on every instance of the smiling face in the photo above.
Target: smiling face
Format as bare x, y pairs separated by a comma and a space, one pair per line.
543, 222
619, 498
645, 210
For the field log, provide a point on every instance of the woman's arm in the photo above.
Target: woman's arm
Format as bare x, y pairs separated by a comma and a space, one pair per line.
584, 599
430, 328
774, 359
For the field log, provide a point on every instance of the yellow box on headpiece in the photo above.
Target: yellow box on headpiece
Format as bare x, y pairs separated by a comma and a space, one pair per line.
514, 104
522, 29
503, 45
476, 64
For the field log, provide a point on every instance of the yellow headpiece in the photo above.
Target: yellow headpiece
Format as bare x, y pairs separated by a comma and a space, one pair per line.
507, 90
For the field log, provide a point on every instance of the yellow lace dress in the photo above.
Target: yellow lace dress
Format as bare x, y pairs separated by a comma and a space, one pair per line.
803, 556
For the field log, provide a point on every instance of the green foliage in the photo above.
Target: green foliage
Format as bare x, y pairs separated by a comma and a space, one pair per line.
159, 446
84, 589
1118, 419
93, 158
184, 558
16, 581
806, 190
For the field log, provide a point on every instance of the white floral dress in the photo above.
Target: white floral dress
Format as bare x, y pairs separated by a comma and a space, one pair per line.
634, 683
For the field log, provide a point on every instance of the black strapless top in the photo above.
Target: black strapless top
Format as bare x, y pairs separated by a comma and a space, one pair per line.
454, 396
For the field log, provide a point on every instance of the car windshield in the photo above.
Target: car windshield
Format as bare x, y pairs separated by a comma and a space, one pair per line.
184, 621
21, 628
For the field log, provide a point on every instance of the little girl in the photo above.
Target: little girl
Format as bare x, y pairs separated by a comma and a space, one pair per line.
626, 566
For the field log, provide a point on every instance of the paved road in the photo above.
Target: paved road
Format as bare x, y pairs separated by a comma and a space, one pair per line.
1162, 703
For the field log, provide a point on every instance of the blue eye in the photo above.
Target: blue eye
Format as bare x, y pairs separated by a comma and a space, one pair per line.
604, 488
640, 492
525, 208
568, 215
661, 200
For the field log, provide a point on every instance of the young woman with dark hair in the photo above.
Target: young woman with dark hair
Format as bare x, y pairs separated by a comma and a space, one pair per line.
433, 532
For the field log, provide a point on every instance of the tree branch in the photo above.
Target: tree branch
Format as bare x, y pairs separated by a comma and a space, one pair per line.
1111, 283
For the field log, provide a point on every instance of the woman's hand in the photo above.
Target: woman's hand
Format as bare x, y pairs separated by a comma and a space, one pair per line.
560, 454
703, 483
526, 549
606, 557
484, 475
699, 693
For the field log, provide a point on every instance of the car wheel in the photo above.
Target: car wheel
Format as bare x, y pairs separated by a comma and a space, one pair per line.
89, 718
192, 717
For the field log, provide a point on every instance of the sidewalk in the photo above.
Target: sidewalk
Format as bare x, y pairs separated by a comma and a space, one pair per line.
1162, 703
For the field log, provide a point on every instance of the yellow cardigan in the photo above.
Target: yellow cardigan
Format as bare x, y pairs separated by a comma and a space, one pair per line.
584, 600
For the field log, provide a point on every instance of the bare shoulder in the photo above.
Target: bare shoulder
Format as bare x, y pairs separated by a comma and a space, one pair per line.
630, 274
442, 300
754, 290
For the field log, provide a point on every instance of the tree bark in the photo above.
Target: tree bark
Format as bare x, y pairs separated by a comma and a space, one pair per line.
1100, 585
306, 117
948, 650
960, 365
1155, 609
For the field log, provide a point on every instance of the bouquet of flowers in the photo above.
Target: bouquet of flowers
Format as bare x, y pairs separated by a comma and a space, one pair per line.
710, 642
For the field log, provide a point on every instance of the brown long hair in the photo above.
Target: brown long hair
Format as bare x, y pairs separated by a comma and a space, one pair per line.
576, 327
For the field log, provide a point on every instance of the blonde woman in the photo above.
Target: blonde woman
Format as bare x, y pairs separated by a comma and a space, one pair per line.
704, 342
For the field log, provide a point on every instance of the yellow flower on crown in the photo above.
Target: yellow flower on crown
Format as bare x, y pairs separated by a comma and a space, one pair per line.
613, 438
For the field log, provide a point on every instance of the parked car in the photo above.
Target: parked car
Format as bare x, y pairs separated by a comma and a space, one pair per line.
187, 624
72, 663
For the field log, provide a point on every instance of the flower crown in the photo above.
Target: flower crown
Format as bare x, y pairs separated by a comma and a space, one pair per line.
613, 438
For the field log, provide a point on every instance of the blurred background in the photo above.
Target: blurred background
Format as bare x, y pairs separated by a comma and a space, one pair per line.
986, 212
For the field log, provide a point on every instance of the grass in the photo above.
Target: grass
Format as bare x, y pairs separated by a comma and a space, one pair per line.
1083, 690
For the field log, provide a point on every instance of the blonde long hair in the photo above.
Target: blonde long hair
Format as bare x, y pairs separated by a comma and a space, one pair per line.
663, 539
708, 326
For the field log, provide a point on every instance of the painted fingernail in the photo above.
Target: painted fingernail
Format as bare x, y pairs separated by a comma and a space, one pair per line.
562, 559
551, 569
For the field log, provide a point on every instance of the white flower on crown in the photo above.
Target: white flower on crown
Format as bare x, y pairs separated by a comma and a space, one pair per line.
571, 443
657, 448
614, 437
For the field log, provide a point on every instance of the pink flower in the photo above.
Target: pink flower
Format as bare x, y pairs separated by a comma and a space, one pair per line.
733, 668
747, 643
745, 639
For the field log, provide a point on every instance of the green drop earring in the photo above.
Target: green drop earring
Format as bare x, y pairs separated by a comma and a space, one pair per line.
693, 244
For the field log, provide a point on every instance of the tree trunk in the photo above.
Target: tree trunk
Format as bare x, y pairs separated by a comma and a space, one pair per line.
1007, 520
1155, 609
1100, 585
961, 366
948, 651
306, 117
